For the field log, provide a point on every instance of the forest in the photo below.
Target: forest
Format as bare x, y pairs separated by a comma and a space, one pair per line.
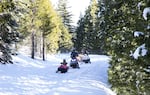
116, 28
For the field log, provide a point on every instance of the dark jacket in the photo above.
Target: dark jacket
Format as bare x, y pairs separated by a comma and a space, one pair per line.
74, 54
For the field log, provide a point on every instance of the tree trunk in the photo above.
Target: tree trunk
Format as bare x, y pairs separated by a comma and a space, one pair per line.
33, 45
40, 44
33, 31
43, 47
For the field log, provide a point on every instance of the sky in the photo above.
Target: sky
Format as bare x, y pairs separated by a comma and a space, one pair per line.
77, 7
36, 77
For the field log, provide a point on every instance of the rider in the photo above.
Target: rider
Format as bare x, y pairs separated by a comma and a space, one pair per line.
63, 67
84, 51
74, 54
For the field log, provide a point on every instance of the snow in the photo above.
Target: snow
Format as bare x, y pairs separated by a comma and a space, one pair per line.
138, 33
139, 5
140, 51
36, 77
148, 27
146, 11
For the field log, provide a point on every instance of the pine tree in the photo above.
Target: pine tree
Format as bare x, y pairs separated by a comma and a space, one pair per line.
32, 13
44, 11
66, 16
126, 74
87, 33
8, 33
55, 34
65, 41
101, 25
80, 34
93, 34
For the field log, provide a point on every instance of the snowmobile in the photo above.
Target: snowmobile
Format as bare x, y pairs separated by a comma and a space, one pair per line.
85, 58
74, 63
63, 68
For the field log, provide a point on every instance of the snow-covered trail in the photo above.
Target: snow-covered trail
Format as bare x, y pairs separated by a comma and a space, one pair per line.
35, 77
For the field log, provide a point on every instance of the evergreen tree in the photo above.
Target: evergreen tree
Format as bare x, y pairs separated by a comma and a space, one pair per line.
87, 31
80, 34
30, 24
93, 33
56, 35
66, 16
101, 25
40, 19
44, 16
127, 75
8, 33
65, 41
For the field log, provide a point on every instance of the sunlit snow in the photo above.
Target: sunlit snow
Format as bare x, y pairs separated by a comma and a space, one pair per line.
35, 77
